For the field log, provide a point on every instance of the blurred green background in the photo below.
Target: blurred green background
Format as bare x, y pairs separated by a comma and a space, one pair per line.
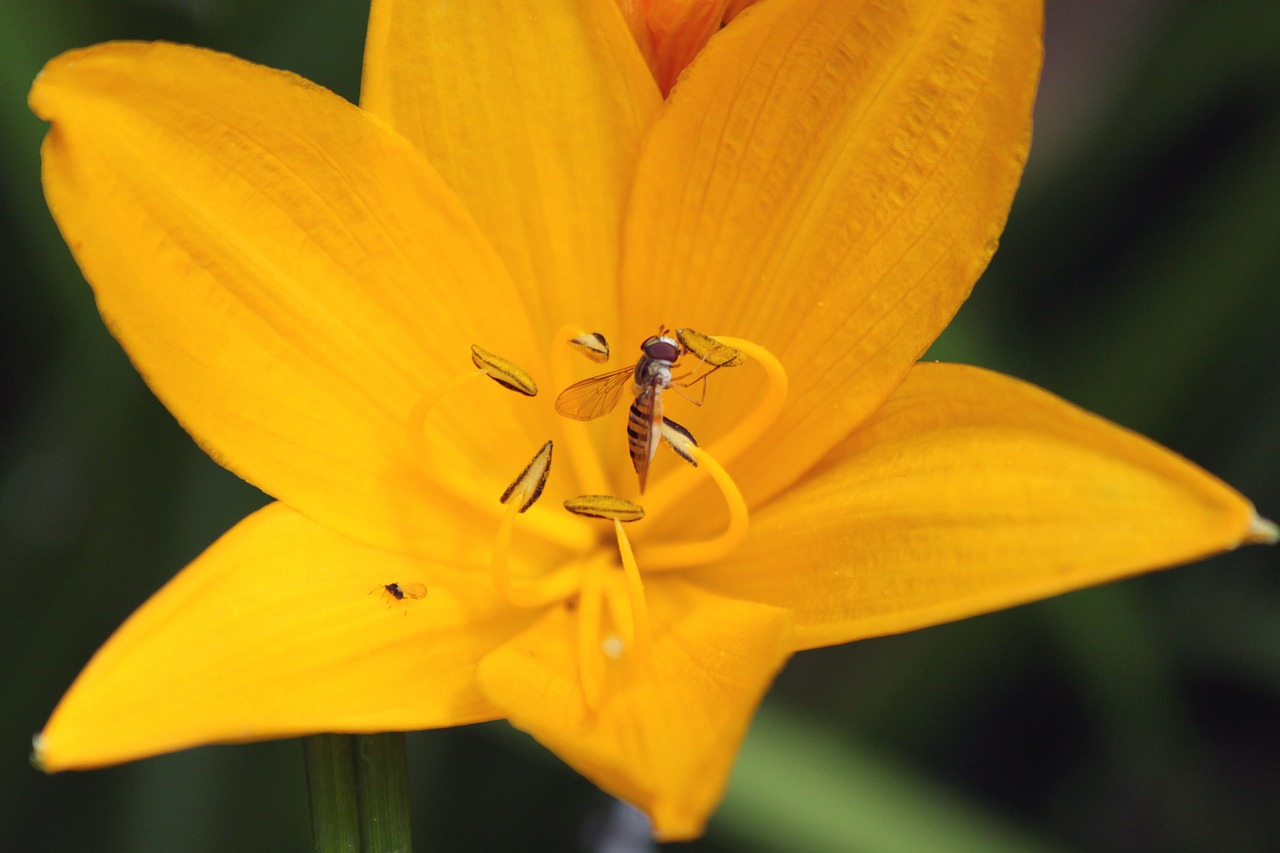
1138, 278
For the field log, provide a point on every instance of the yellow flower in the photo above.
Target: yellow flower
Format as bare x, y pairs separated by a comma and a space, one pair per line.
302, 282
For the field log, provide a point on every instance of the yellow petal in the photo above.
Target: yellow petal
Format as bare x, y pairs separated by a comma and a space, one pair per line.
288, 275
966, 492
634, 12
663, 739
280, 628
828, 180
534, 113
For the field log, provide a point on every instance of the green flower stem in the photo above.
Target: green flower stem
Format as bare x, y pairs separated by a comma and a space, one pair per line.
359, 787
331, 783
382, 784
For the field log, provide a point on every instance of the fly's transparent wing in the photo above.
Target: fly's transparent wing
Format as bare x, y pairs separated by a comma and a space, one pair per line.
413, 590
591, 398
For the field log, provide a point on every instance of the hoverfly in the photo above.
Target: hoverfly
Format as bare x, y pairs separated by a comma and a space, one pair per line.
651, 375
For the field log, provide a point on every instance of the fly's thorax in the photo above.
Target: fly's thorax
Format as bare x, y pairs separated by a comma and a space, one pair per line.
651, 374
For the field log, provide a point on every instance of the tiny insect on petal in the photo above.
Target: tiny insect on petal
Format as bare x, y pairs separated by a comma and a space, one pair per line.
605, 506
708, 349
401, 591
528, 486
593, 345
505, 373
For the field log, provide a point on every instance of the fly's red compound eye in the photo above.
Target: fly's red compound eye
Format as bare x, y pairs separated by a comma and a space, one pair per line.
662, 348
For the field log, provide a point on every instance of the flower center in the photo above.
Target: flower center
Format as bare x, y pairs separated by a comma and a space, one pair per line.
603, 584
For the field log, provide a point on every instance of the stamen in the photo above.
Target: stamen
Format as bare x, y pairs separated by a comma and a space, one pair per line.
664, 557
590, 664
708, 349
418, 417
527, 488
501, 546
583, 459
549, 526
551, 588
617, 601
635, 592
506, 373
592, 345
636, 626
680, 441
605, 506
518, 497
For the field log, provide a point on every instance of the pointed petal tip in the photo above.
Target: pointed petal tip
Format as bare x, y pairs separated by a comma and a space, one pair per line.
37, 753
1261, 531
48, 75
675, 826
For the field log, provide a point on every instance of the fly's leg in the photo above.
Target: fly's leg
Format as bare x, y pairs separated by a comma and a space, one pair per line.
681, 381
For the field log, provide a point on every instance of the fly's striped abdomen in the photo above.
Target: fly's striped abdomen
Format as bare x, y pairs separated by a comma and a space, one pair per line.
644, 430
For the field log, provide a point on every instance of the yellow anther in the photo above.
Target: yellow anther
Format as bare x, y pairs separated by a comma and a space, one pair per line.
500, 370
527, 488
680, 440
592, 345
605, 506
506, 373
519, 496
708, 349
